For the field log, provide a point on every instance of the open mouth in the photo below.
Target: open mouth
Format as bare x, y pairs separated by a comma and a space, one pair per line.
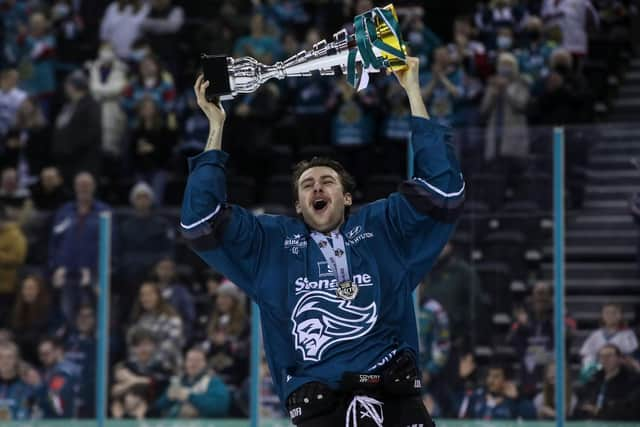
320, 205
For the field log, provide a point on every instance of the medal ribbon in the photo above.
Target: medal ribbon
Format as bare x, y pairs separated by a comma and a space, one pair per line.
336, 256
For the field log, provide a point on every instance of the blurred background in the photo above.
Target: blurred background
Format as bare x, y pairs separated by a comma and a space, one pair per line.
97, 113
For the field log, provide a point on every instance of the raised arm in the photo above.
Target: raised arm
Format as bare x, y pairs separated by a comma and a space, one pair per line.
228, 238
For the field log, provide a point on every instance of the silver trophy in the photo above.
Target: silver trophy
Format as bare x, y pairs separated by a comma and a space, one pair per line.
375, 44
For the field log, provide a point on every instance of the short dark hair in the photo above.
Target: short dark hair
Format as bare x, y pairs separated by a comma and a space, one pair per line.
53, 340
347, 181
499, 366
615, 348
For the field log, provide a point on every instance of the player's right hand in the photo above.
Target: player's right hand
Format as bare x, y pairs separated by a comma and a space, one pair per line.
214, 112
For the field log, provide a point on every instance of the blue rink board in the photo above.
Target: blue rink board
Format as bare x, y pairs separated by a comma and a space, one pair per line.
285, 423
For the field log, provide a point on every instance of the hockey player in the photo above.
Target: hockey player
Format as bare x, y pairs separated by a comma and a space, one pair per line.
334, 289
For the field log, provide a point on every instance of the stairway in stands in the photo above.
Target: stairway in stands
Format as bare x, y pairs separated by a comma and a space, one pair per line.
601, 238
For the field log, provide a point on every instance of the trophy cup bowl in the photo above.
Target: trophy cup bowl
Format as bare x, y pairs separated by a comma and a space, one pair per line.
376, 44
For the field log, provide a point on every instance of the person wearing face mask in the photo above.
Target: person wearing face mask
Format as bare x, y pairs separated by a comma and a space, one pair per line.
443, 88
504, 105
489, 18
107, 80
334, 288
534, 55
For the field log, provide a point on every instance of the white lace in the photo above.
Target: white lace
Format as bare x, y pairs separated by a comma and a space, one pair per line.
369, 408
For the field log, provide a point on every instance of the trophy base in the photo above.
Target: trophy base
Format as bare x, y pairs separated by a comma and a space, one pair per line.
216, 71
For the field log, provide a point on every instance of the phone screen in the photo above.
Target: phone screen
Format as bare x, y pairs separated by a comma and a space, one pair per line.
216, 72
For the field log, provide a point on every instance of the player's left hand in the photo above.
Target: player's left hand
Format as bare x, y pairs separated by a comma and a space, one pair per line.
408, 78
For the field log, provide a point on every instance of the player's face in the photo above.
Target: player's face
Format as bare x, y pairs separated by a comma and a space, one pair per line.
321, 198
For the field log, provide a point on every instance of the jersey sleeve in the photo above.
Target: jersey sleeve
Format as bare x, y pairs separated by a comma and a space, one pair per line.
228, 238
421, 216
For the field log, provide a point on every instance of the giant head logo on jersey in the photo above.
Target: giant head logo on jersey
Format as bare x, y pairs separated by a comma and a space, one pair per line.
321, 319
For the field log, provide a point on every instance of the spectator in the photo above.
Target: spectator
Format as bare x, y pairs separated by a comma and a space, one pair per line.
612, 393
13, 252
34, 315
545, 400
145, 238
228, 336
443, 87
14, 21
153, 82
18, 397
161, 27
258, 44
504, 43
574, 17
435, 346
107, 80
35, 135
562, 96
466, 51
175, 293
532, 337
12, 193
80, 349
153, 314
498, 400
37, 58
121, 25
455, 285
533, 56
73, 252
11, 97
195, 394
464, 380
497, 14
505, 104
144, 367
194, 126
613, 331
152, 143
60, 381
50, 193
422, 40
134, 404
77, 134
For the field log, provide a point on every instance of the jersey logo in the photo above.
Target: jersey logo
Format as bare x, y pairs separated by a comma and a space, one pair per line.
321, 319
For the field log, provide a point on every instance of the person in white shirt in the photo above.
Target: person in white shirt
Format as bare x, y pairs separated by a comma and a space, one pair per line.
573, 17
11, 98
121, 25
613, 331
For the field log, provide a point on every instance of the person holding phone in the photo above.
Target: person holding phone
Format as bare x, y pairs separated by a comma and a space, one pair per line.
334, 287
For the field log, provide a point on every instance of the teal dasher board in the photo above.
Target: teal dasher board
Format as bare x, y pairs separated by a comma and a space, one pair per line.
285, 423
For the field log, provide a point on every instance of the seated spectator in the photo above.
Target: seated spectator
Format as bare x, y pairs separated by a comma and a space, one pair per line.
13, 252
145, 238
77, 133
498, 400
545, 400
11, 97
574, 19
73, 252
613, 331
442, 87
153, 314
533, 338
258, 44
464, 380
134, 404
175, 293
161, 27
533, 56
613, 392
505, 106
107, 80
121, 25
197, 393
37, 61
80, 348
13, 21
228, 336
34, 315
61, 382
152, 143
144, 366
18, 397
150, 81
12, 192
50, 193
